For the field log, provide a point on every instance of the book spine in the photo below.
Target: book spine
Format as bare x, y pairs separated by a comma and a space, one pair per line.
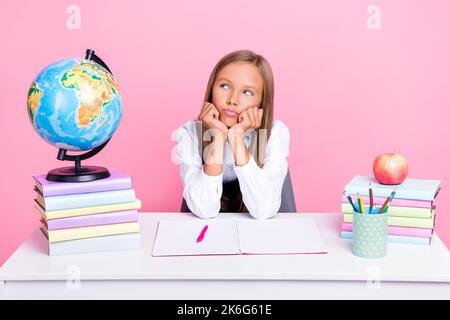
93, 220
392, 238
395, 211
399, 231
395, 201
66, 213
91, 232
402, 222
89, 199
400, 194
93, 186
130, 241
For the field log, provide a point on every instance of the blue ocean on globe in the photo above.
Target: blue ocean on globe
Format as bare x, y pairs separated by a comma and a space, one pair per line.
75, 104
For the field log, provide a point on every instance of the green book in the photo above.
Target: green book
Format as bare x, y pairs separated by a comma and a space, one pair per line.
402, 221
414, 189
395, 211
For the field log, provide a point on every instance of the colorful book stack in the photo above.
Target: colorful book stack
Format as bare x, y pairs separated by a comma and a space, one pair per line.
411, 214
86, 217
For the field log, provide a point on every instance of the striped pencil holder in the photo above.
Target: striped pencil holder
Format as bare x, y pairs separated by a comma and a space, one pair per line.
370, 234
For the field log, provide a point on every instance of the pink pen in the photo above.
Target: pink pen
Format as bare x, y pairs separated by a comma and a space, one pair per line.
202, 234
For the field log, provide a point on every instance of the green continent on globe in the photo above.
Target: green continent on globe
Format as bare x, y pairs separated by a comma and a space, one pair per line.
34, 99
95, 86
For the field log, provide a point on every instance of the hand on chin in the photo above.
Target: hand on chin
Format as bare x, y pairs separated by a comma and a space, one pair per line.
228, 122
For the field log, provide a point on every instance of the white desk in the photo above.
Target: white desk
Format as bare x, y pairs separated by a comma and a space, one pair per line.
408, 271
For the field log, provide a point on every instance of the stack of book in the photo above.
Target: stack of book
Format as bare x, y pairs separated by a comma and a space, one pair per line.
100, 215
411, 214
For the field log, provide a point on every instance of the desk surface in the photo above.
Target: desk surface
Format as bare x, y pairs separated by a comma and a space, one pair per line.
404, 262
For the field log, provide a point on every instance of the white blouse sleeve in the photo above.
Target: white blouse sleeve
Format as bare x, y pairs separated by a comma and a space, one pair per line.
261, 187
201, 191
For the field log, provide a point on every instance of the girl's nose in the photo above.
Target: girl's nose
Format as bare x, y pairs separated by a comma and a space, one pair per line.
233, 99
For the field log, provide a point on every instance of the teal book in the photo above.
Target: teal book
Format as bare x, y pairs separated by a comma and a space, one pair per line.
81, 200
129, 241
414, 189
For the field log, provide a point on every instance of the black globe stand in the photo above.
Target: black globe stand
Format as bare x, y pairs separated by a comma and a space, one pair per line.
80, 173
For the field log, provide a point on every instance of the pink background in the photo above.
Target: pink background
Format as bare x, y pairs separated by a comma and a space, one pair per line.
347, 93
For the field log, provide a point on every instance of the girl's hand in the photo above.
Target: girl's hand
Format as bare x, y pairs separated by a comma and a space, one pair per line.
248, 119
209, 115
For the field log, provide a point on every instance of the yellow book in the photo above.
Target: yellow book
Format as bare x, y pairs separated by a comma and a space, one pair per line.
396, 211
90, 232
402, 221
57, 214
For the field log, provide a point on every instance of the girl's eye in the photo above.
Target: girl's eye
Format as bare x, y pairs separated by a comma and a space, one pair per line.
248, 93
225, 86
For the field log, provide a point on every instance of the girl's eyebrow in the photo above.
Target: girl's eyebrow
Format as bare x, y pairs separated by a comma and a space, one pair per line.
223, 79
247, 86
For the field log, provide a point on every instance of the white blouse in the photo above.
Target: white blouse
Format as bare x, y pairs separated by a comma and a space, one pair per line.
260, 187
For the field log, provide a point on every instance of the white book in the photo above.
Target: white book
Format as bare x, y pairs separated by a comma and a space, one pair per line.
130, 241
279, 236
179, 237
413, 189
237, 236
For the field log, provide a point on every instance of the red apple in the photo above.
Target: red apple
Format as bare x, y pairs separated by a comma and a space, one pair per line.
390, 168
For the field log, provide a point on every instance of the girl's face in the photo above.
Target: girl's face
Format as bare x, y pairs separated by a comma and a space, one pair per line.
238, 86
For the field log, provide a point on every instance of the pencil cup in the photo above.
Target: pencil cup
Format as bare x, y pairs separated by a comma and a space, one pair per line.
370, 234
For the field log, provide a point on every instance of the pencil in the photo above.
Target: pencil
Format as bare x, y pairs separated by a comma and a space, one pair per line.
392, 196
361, 205
360, 208
371, 197
351, 202
388, 199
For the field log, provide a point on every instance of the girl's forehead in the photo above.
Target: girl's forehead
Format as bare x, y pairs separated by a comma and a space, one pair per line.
241, 72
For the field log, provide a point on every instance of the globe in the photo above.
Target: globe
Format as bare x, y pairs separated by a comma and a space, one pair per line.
75, 104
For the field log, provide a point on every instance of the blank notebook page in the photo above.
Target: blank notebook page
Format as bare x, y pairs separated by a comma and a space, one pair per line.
279, 236
180, 237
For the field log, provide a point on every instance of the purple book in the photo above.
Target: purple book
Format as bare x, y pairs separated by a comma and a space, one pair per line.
395, 202
92, 220
118, 180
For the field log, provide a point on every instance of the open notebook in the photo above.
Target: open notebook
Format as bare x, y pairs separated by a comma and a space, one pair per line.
237, 236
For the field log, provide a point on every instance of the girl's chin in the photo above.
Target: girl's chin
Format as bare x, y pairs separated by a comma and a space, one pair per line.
228, 122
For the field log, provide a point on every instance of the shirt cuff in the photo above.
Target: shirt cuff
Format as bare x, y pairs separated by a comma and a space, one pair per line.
215, 180
247, 168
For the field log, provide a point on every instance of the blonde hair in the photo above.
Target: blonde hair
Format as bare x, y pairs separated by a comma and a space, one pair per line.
263, 133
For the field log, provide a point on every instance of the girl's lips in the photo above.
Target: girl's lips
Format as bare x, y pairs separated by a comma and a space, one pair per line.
230, 113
